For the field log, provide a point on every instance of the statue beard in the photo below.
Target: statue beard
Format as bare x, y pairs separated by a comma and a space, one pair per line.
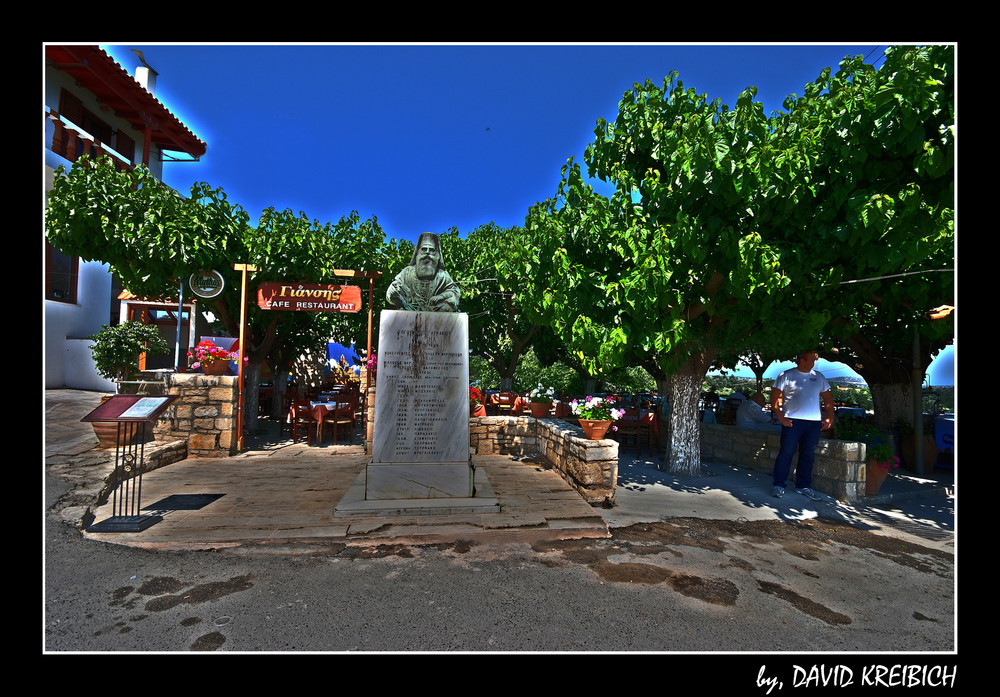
426, 269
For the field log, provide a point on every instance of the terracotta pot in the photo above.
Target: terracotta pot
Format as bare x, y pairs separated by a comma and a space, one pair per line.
539, 409
107, 432
214, 367
594, 430
875, 477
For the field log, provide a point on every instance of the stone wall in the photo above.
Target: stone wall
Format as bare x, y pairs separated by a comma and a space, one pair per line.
590, 466
204, 416
839, 470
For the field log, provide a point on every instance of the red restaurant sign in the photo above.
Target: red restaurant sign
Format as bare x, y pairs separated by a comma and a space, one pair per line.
309, 297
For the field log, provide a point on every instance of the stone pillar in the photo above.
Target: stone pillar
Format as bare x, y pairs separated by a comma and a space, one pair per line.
420, 448
204, 414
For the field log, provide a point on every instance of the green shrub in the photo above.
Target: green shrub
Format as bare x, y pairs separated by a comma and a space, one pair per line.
116, 349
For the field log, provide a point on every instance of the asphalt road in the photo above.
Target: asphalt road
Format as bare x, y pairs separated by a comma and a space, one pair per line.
680, 585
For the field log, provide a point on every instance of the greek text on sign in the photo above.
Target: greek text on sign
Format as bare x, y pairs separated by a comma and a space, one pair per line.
308, 297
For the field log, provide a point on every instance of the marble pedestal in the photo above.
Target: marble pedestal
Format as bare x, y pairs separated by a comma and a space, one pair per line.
420, 444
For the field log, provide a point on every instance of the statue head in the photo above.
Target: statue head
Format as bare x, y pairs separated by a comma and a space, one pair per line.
424, 285
427, 259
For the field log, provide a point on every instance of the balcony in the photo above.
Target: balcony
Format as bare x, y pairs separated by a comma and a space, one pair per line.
68, 141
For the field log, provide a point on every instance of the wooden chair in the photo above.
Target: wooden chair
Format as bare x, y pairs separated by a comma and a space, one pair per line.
506, 403
632, 429
302, 420
343, 419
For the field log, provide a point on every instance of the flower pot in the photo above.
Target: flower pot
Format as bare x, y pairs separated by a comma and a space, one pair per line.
107, 432
594, 430
875, 477
539, 409
214, 367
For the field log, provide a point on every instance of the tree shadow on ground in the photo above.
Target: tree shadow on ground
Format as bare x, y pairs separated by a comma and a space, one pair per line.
751, 490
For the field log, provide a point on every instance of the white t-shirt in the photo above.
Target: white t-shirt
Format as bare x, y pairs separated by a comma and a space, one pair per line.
801, 392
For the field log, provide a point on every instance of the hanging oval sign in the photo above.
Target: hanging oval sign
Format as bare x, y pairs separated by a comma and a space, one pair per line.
206, 283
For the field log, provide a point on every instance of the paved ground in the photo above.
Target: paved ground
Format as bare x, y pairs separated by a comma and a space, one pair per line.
278, 493
678, 565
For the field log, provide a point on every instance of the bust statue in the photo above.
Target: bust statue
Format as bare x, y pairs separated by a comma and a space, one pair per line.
424, 285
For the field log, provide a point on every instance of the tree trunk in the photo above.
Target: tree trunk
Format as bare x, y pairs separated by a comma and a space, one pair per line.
280, 387
683, 455
891, 401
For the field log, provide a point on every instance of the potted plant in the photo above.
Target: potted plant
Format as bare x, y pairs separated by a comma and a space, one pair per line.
116, 349
212, 359
371, 368
116, 352
540, 400
596, 416
880, 459
475, 398
880, 453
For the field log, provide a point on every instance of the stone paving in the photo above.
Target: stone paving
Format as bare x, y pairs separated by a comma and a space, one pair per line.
287, 492
282, 496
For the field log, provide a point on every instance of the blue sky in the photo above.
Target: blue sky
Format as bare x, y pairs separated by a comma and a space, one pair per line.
430, 137
940, 372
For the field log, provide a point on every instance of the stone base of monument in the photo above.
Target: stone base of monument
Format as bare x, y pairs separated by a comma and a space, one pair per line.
418, 489
421, 444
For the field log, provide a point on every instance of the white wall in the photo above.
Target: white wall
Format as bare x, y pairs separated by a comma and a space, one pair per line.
68, 362
80, 371
66, 365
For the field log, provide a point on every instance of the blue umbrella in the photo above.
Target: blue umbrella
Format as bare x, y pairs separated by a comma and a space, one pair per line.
335, 351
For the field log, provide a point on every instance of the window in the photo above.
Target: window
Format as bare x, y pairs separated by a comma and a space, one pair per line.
60, 275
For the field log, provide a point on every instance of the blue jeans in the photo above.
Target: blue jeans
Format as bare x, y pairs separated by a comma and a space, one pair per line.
801, 436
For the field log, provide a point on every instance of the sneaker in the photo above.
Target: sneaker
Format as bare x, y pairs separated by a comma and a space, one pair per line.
777, 491
810, 494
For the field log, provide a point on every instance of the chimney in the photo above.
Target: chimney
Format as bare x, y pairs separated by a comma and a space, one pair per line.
146, 77
144, 74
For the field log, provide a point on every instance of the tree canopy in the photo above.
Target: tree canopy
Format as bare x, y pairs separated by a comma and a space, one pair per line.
729, 233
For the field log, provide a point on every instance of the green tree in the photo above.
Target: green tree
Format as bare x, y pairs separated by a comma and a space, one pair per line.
486, 266
116, 349
881, 194
153, 238
672, 266
730, 232
146, 232
858, 192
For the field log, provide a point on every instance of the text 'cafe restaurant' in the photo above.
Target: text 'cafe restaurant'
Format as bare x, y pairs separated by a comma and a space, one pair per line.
316, 298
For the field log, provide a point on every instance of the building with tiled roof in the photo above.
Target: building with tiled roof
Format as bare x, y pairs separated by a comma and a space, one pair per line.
94, 106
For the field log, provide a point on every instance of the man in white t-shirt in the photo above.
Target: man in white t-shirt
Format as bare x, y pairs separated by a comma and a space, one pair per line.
795, 402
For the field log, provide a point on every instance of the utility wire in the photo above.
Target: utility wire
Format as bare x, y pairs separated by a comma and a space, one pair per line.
880, 278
